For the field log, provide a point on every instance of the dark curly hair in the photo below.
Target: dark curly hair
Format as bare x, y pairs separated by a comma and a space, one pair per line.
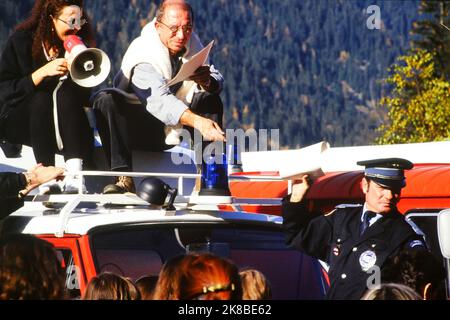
29, 269
41, 24
415, 269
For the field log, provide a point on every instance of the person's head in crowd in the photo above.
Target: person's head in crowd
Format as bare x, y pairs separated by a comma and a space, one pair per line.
255, 286
174, 23
391, 291
109, 286
53, 20
417, 269
146, 286
167, 286
204, 276
30, 269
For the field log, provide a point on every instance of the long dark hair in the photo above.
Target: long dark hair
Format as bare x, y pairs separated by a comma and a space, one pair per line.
41, 24
29, 269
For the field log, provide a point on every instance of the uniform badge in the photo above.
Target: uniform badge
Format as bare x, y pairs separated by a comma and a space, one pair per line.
367, 260
336, 251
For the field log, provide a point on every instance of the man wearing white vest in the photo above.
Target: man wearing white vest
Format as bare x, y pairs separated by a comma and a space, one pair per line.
140, 109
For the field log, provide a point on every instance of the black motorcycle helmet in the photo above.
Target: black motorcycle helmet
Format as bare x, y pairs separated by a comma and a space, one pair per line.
155, 191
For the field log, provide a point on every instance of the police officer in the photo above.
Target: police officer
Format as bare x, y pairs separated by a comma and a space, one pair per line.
355, 240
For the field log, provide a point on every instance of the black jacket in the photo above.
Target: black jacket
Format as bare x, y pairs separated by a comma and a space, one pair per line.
10, 185
16, 67
335, 239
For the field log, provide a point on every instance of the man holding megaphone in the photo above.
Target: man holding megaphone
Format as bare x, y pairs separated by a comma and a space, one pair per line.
41, 102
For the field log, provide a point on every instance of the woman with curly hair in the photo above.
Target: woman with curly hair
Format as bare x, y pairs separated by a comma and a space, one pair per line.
29, 269
31, 88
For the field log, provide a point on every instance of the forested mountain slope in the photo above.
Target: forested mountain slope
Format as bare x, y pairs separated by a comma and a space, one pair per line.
310, 68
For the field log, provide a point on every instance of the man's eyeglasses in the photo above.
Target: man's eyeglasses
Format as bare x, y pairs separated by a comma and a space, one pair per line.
74, 22
187, 29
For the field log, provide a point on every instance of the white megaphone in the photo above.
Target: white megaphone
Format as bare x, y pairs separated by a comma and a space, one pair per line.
88, 67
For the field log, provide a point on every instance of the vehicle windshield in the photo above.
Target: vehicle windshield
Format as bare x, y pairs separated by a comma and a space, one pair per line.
142, 250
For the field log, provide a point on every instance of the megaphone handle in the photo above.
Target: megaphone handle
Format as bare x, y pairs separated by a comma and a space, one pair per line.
59, 141
173, 193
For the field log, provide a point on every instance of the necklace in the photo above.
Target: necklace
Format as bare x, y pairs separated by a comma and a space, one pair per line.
47, 55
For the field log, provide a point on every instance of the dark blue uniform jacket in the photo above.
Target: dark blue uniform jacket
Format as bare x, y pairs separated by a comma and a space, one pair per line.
335, 239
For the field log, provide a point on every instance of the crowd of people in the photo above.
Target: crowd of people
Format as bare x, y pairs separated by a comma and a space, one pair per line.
30, 268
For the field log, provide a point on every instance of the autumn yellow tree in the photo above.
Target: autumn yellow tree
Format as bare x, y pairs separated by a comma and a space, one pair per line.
419, 103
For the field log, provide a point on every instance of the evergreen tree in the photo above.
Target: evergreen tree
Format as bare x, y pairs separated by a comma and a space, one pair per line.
433, 33
310, 68
419, 106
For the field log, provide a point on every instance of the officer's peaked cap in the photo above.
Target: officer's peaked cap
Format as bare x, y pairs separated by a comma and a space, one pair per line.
387, 172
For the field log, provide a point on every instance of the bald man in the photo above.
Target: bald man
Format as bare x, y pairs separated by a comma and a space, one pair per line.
135, 113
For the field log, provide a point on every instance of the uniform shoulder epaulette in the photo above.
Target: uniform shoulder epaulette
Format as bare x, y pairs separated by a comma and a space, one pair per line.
348, 205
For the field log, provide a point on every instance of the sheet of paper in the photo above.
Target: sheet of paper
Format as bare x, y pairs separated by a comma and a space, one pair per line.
314, 173
188, 68
289, 164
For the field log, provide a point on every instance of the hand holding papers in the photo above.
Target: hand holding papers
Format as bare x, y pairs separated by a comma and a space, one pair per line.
188, 68
202, 76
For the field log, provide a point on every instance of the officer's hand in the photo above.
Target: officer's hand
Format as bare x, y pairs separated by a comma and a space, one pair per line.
299, 188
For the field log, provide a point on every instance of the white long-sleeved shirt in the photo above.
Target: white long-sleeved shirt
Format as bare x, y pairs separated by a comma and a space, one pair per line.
160, 101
